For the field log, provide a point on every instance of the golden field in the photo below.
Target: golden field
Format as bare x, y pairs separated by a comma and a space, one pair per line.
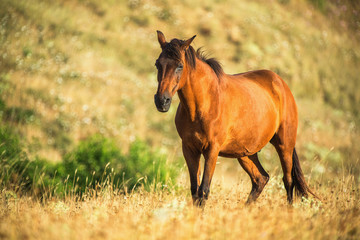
170, 215
70, 70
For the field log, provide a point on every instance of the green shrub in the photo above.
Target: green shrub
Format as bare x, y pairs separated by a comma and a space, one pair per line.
57, 130
94, 164
98, 162
9, 144
88, 165
17, 172
19, 115
151, 166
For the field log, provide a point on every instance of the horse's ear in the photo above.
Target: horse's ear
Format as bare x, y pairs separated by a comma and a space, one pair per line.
161, 39
187, 43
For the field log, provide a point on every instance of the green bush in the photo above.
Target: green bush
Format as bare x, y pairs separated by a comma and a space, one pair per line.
151, 166
9, 143
88, 165
17, 172
19, 115
97, 161
94, 164
11, 157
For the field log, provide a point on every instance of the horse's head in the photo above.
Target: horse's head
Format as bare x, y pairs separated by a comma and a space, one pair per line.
172, 65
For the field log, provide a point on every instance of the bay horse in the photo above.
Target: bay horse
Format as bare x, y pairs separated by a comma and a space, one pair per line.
225, 115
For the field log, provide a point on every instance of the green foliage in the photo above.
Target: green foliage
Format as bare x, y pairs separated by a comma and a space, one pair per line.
143, 163
98, 161
9, 143
319, 4
57, 132
17, 171
88, 164
27, 52
94, 164
19, 115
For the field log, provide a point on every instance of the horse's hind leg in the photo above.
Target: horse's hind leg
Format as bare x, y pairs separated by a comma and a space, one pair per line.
284, 142
259, 177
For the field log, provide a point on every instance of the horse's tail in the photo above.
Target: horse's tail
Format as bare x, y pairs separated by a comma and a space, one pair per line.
301, 188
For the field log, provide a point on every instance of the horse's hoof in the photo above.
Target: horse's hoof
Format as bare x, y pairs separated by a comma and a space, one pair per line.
199, 202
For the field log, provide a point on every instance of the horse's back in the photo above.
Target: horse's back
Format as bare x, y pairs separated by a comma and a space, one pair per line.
271, 83
264, 79
255, 90
280, 93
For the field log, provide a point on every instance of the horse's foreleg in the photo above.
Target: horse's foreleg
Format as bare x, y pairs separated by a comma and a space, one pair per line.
259, 177
192, 158
210, 156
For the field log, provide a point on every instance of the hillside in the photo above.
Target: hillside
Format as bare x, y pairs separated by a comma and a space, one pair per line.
84, 154
70, 69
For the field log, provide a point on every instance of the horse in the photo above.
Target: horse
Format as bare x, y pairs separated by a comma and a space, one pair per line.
232, 116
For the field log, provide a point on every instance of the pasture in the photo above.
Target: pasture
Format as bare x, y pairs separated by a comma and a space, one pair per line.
84, 153
170, 214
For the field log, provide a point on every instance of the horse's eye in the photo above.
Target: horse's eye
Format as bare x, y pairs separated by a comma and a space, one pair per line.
179, 68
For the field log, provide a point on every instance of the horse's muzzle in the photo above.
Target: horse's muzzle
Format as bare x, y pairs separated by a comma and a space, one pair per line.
163, 102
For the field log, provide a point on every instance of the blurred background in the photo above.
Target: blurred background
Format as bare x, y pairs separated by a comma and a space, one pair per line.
77, 80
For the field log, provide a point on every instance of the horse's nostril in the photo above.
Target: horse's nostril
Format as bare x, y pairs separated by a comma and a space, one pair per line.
167, 100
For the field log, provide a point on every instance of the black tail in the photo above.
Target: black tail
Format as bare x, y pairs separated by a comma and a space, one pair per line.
301, 188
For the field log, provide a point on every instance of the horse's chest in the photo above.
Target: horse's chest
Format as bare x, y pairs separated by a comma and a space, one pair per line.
199, 139
193, 135
196, 132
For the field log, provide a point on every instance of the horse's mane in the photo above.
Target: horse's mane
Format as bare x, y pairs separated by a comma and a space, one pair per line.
172, 50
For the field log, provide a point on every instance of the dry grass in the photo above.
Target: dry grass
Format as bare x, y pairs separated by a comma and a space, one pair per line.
86, 67
170, 215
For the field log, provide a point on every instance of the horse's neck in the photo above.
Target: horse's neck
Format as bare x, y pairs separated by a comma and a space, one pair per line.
200, 94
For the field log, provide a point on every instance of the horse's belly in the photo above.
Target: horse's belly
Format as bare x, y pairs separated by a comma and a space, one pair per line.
232, 154
237, 149
246, 142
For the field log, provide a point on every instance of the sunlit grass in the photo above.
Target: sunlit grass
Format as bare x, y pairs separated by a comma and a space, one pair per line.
164, 214
72, 69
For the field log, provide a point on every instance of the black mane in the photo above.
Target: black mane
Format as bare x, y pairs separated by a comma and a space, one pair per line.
173, 48
212, 62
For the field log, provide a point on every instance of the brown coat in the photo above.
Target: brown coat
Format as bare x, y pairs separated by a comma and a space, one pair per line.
228, 115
